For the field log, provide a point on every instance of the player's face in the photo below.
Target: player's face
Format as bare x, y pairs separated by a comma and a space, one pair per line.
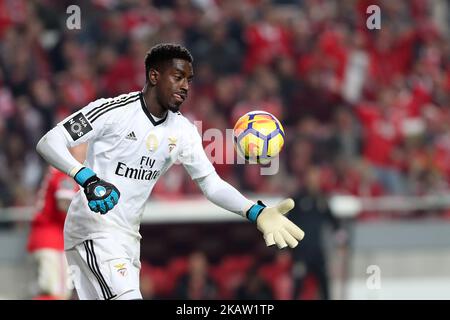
173, 86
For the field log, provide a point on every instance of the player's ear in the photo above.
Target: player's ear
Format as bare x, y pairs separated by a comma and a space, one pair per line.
153, 76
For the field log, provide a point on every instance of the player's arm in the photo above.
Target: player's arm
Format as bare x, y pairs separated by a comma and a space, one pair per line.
54, 148
271, 221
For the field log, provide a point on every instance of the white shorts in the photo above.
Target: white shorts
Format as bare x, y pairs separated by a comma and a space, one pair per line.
53, 274
105, 269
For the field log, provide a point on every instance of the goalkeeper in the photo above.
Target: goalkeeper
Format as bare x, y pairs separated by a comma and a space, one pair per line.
132, 140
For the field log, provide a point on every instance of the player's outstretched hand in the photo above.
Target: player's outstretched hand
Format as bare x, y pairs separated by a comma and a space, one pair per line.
276, 228
101, 195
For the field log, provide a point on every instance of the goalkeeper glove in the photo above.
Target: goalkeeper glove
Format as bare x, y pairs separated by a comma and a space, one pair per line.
101, 195
276, 228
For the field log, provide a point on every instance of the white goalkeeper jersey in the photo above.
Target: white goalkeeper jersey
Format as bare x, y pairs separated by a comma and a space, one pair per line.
130, 149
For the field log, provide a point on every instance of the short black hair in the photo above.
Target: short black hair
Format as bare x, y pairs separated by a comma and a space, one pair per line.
164, 52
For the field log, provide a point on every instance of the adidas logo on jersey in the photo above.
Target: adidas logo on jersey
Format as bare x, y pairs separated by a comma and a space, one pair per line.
131, 136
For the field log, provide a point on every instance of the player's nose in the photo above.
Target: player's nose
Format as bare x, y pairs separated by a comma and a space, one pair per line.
185, 86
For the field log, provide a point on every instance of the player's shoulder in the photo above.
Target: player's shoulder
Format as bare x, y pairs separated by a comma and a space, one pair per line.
117, 99
112, 105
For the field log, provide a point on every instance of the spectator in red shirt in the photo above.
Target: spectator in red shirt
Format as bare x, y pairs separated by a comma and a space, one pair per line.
382, 138
266, 39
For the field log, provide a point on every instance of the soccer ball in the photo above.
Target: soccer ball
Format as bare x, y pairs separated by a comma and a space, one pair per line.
258, 136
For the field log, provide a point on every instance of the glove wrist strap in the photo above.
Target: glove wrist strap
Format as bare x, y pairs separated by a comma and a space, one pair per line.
255, 210
84, 176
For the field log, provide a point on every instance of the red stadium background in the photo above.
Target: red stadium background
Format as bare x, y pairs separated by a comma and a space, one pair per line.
366, 114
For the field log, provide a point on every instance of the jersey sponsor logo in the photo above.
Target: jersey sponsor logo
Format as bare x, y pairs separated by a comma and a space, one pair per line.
131, 136
78, 126
152, 142
140, 173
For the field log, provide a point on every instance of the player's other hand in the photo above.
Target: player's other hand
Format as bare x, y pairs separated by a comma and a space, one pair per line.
102, 196
276, 228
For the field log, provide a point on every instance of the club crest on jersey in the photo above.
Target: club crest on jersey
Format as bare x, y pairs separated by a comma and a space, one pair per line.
121, 269
172, 143
152, 142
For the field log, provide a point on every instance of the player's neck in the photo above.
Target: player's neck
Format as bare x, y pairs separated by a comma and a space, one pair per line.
151, 103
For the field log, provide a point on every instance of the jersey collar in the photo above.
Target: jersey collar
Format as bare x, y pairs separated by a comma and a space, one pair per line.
149, 116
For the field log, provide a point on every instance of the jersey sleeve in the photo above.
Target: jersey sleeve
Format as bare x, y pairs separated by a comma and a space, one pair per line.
85, 124
193, 156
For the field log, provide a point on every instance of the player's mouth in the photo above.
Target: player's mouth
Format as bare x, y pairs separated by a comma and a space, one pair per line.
180, 97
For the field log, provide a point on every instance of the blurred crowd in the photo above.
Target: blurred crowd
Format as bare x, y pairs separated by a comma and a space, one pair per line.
369, 110
241, 277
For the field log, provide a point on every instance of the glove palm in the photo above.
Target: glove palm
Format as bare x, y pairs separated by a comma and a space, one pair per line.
276, 228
